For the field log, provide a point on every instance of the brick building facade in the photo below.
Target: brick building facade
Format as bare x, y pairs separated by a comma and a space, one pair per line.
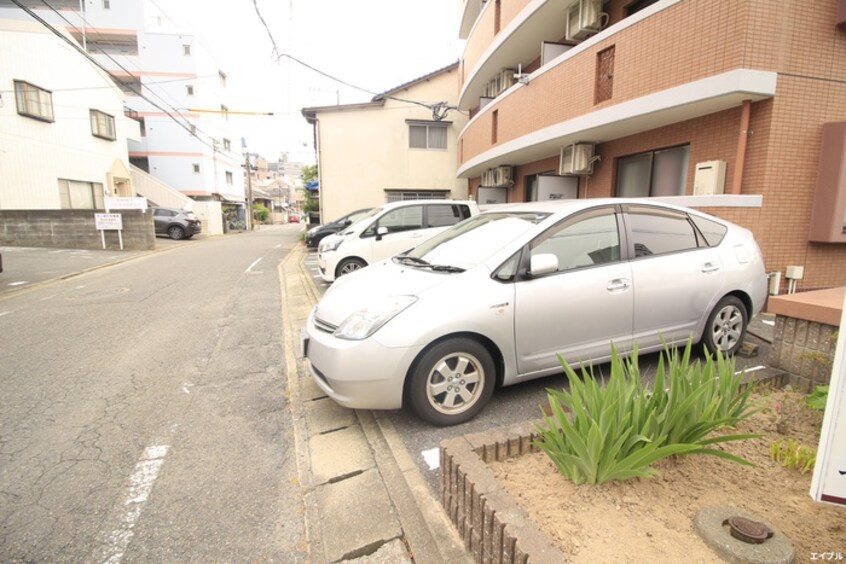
746, 83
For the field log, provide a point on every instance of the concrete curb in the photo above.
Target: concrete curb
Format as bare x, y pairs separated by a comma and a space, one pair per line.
364, 498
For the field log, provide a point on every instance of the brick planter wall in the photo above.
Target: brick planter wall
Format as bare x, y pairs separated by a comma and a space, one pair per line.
74, 229
804, 349
492, 525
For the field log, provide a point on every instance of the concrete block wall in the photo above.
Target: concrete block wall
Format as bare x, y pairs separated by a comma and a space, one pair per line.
74, 229
492, 525
804, 349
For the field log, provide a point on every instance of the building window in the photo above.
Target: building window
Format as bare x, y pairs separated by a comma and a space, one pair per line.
102, 125
142, 125
497, 16
229, 178
604, 86
423, 135
186, 49
107, 5
654, 173
189, 89
33, 101
196, 168
227, 145
494, 126
76, 195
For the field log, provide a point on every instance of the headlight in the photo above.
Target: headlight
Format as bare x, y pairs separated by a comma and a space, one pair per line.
330, 245
367, 321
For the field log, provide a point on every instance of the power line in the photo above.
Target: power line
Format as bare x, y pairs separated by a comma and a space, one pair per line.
439, 109
93, 61
191, 128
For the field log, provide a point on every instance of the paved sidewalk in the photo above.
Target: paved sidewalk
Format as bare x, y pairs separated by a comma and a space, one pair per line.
365, 500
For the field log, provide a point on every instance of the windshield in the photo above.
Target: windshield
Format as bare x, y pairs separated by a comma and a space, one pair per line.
474, 240
363, 217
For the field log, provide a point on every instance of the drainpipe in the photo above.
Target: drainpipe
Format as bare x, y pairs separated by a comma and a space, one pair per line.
742, 141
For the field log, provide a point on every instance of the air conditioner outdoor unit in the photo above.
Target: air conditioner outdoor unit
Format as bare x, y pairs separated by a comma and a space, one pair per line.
576, 159
489, 178
504, 175
584, 18
507, 79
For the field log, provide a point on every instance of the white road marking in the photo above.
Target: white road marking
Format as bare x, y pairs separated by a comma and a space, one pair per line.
249, 268
21, 283
753, 369
432, 457
140, 485
2, 313
186, 387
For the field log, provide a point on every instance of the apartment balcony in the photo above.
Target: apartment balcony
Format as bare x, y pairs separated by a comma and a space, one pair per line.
672, 61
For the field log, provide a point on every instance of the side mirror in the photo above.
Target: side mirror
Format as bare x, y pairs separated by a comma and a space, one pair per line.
381, 231
543, 264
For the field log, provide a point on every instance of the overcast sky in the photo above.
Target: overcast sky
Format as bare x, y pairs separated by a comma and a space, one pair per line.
375, 45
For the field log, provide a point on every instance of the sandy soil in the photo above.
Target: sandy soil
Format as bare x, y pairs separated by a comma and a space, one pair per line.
651, 520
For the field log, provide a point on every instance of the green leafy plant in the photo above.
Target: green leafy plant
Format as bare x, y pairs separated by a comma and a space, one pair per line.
615, 432
260, 212
793, 455
818, 398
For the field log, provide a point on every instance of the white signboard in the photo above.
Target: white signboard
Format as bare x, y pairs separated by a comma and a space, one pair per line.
108, 221
552, 187
113, 203
829, 481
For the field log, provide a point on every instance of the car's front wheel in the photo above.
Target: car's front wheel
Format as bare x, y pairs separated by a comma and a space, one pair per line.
726, 326
452, 382
349, 265
175, 232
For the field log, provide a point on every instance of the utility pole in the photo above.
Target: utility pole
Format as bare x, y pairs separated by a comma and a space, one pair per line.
249, 173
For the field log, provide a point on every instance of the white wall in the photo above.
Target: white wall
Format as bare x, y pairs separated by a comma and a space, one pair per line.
35, 154
364, 150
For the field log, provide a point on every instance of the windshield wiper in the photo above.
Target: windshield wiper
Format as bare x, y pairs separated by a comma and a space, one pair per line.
425, 264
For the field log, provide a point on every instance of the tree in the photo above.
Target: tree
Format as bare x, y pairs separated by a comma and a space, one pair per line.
310, 174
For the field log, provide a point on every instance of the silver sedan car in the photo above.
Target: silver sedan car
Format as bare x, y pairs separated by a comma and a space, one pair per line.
498, 298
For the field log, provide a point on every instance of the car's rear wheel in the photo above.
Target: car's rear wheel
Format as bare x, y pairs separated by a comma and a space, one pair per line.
349, 265
175, 232
452, 382
726, 326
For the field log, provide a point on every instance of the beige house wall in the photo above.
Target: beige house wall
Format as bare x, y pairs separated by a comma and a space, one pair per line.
363, 150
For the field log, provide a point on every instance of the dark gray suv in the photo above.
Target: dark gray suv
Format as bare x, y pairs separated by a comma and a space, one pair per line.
176, 223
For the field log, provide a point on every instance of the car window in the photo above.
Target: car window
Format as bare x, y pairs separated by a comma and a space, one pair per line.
712, 231
443, 215
588, 240
658, 232
400, 219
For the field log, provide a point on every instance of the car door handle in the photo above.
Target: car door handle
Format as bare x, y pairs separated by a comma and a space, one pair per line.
710, 267
618, 285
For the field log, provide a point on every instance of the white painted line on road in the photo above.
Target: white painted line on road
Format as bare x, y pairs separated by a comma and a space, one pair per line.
21, 283
753, 369
249, 268
2, 313
432, 457
186, 387
140, 484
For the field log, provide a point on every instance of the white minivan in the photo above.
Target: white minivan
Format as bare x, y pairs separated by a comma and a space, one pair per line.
386, 231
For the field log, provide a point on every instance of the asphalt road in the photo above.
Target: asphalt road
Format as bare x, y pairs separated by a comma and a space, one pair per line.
143, 415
